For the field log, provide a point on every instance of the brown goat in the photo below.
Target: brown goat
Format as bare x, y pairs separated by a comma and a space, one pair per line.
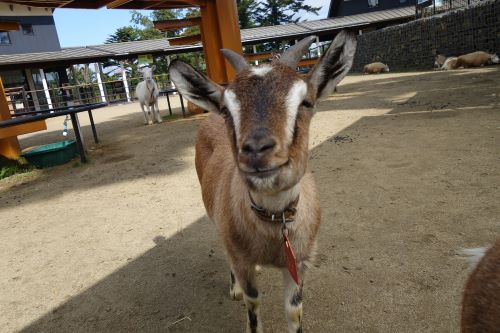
481, 301
375, 68
251, 160
477, 59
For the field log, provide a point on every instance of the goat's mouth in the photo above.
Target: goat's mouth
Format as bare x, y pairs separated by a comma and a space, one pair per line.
263, 172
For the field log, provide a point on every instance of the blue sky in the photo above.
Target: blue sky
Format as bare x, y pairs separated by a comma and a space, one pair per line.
79, 27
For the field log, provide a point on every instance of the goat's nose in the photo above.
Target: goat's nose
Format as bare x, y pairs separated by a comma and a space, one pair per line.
258, 145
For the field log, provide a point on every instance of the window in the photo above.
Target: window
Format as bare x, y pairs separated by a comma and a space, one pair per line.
27, 29
4, 38
372, 3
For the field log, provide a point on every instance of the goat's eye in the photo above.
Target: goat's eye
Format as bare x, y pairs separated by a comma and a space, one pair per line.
224, 110
306, 104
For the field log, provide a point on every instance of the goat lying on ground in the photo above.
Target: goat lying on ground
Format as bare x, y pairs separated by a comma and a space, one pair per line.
474, 59
481, 301
444, 63
375, 68
251, 160
147, 92
477, 59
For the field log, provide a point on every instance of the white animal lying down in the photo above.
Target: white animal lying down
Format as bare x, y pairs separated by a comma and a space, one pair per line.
375, 68
147, 92
481, 299
474, 59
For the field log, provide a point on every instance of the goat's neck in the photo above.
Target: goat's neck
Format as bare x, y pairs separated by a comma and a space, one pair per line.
276, 202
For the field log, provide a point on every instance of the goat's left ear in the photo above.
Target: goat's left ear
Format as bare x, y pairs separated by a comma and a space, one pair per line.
153, 68
333, 65
196, 87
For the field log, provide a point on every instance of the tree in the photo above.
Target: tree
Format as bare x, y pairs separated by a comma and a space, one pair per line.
247, 10
124, 34
276, 12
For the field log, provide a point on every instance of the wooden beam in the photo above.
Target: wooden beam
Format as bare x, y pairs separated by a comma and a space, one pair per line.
220, 29
117, 3
9, 147
9, 26
168, 25
258, 56
16, 130
186, 40
307, 62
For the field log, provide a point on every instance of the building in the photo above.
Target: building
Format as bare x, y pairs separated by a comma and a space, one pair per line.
346, 8
37, 34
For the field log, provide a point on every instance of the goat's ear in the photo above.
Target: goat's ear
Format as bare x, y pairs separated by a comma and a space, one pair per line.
196, 87
333, 65
153, 67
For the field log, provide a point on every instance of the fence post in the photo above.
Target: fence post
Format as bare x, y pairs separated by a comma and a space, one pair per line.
318, 47
125, 83
98, 73
31, 85
46, 88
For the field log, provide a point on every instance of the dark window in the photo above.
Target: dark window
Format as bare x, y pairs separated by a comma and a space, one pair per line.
4, 38
27, 29
372, 3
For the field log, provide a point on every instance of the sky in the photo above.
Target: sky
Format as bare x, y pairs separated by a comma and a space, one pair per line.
80, 27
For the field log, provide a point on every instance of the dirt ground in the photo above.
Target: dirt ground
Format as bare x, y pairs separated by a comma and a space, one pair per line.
407, 171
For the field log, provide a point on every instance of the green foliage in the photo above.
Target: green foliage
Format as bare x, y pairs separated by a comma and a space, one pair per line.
124, 34
10, 167
276, 12
247, 10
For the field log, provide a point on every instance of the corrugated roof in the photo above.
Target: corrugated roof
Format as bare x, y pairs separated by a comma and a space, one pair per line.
259, 34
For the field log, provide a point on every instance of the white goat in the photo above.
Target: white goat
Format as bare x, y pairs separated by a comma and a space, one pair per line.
147, 92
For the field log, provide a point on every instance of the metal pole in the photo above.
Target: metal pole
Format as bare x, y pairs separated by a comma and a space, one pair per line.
125, 83
46, 89
98, 74
78, 136
318, 46
254, 49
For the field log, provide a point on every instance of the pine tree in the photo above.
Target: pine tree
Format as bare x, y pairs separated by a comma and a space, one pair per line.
276, 12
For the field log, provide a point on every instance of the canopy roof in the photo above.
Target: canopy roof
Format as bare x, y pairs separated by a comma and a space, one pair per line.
112, 4
100, 53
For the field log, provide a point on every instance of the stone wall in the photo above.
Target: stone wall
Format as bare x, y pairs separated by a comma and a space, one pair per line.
413, 45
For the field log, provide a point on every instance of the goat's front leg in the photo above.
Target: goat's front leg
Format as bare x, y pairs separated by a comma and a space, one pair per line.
157, 112
150, 118
144, 113
246, 279
293, 301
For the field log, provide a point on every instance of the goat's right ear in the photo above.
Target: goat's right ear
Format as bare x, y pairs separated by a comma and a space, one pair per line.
196, 87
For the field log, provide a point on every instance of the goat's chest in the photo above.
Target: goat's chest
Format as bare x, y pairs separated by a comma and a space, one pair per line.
261, 244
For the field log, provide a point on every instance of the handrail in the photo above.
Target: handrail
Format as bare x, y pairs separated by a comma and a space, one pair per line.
26, 119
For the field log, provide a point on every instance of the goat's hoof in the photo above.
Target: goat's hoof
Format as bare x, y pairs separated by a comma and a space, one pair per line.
150, 122
236, 296
160, 121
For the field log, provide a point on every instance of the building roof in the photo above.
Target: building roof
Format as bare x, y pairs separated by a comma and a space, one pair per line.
98, 53
263, 34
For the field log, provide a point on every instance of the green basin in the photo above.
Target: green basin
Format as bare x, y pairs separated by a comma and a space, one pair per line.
51, 154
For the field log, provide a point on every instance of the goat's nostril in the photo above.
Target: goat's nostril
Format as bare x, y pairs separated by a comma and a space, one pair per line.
263, 145
267, 145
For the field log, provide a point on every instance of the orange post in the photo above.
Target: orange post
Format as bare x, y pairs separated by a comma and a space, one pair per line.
9, 147
220, 29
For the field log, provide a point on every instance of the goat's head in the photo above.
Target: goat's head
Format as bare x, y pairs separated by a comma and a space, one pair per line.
439, 61
147, 72
494, 59
268, 108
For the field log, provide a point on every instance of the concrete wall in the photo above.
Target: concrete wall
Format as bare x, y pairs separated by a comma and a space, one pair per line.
413, 45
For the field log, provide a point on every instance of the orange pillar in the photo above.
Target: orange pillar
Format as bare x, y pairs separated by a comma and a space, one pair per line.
219, 29
9, 147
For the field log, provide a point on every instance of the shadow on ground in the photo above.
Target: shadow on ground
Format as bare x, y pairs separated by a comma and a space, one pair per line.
398, 200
